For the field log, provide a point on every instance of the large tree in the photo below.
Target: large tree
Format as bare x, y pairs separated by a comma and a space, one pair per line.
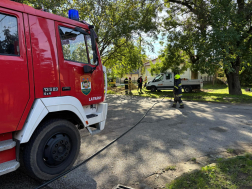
129, 58
116, 20
221, 31
118, 24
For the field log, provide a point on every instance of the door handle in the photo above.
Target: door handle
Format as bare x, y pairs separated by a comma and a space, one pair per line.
66, 88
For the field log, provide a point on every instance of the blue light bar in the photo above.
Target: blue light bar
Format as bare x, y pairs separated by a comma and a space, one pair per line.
73, 14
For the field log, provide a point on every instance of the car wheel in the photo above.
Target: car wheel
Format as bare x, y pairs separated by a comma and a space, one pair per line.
52, 149
153, 89
187, 89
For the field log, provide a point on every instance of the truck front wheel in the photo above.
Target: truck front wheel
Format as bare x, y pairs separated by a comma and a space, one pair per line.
153, 88
52, 149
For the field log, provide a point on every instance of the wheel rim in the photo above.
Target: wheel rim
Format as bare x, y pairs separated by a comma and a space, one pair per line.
57, 150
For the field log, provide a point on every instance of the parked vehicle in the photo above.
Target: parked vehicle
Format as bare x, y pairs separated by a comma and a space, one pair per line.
165, 81
52, 85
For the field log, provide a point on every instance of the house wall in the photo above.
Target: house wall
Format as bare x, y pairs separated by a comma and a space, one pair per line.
134, 78
188, 74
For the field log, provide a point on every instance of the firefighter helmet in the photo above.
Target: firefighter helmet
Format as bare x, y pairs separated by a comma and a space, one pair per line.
177, 76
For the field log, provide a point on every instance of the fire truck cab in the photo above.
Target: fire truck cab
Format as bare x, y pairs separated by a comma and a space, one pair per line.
51, 86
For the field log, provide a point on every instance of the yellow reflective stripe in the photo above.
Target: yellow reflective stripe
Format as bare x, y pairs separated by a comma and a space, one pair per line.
176, 87
179, 85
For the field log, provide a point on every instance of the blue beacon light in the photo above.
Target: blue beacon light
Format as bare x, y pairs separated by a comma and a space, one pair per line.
73, 14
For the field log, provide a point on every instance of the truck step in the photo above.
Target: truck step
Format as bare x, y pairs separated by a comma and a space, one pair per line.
8, 167
93, 131
7, 144
91, 116
119, 186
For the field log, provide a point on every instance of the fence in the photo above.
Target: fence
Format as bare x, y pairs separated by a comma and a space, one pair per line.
207, 79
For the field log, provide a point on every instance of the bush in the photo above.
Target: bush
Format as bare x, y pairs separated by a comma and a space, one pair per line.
110, 92
245, 76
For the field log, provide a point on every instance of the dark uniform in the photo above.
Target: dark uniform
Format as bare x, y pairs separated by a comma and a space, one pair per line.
140, 83
126, 82
177, 93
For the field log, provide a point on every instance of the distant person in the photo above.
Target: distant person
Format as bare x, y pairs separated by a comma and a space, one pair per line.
177, 92
140, 84
145, 81
126, 82
130, 85
248, 89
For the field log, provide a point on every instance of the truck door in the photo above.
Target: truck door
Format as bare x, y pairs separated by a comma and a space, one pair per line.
168, 80
75, 51
14, 85
159, 81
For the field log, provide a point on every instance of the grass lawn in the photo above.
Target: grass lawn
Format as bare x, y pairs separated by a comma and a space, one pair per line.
233, 173
216, 93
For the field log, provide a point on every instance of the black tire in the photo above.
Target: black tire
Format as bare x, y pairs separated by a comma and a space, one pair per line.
153, 88
52, 149
187, 89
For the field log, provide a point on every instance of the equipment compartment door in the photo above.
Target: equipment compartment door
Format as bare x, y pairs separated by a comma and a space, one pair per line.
74, 52
14, 85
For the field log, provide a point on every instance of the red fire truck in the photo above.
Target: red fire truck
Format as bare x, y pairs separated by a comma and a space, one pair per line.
51, 86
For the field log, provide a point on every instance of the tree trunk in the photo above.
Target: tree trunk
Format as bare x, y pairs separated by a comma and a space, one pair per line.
233, 80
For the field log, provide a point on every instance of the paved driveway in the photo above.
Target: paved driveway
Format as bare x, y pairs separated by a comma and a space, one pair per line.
165, 136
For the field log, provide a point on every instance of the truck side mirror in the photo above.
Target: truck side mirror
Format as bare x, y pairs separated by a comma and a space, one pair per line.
92, 34
88, 69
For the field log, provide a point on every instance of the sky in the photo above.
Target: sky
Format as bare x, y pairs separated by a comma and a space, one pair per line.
157, 47
156, 44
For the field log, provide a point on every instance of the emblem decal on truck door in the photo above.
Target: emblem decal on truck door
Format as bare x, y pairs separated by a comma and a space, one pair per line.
85, 82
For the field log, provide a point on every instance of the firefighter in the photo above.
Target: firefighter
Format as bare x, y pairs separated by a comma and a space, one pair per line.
177, 92
140, 84
130, 85
145, 81
126, 82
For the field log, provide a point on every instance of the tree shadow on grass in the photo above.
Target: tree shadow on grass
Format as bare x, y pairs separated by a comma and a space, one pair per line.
204, 96
231, 173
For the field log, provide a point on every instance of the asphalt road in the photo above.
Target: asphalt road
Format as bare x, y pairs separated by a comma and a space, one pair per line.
165, 136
